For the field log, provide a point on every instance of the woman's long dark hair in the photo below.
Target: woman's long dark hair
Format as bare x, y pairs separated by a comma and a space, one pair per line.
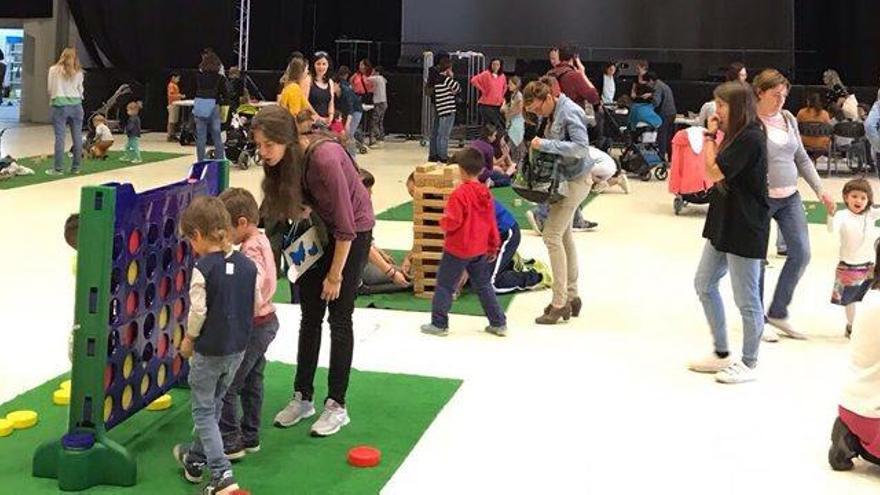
319, 56
282, 183
732, 72
743, 112
210, 62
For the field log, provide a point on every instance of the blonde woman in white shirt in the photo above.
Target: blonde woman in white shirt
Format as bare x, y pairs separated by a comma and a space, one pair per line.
856, 226
66, 96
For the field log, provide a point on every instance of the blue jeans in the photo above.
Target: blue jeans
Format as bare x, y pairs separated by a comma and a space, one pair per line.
439, 145
351, 132
62, 118
203, 125
209, 377
133, 149
745, 274
247, 388
505, 278
789, 214
448, 275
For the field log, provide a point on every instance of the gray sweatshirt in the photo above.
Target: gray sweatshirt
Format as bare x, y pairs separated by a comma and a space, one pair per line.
786, 162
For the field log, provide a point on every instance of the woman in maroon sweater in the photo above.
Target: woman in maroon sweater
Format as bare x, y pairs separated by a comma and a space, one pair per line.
330, 186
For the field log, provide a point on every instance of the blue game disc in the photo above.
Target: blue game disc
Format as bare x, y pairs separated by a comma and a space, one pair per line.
78, 441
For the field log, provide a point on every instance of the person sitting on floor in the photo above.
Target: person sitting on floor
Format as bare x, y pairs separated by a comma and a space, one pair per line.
856, 430
103, 138
497, 169
381, 273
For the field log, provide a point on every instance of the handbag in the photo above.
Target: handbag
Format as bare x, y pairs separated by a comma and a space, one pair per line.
204, 107
301, 249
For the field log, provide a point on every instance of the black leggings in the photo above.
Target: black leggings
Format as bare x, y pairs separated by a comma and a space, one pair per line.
313, 309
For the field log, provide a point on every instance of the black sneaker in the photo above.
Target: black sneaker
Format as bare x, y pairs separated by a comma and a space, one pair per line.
234, 452
192, 471
844, 447
225, 482
584, 226
848, 331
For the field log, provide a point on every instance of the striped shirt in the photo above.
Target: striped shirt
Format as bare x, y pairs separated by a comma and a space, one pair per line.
444, 96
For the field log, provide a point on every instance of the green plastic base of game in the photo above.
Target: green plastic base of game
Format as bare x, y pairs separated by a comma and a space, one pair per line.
105, 463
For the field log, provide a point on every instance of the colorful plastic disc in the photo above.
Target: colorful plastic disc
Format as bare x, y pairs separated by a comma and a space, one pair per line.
6, 427
160, 404
65, 385
127, 396
160, 375
145, 384
108, 408
132, 272
61, 397
22, 419
127, 366
364, 456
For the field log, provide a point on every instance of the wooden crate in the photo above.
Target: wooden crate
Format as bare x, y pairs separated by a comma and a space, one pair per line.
434, 184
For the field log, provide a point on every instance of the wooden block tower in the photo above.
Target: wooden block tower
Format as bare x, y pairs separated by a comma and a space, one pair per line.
434, 185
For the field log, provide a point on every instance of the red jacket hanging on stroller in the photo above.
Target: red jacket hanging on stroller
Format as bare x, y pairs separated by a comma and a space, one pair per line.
688, 173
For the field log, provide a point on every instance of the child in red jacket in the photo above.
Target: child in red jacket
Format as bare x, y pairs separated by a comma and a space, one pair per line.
472, 243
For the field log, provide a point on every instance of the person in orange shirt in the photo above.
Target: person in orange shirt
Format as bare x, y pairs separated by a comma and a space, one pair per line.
815, 113
174, 94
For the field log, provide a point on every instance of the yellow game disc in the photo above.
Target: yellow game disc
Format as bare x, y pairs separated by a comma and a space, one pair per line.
65, 385
127, 366
6, 427
61, 397
163, 317
160, 404
160, 376
22, 419
127, 395
145, 384
108, 408
178, 336
132, 272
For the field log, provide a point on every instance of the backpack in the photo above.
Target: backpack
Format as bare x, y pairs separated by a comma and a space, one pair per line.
538, 179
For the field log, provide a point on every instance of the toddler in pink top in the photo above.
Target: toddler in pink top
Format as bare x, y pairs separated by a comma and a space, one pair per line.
241, 435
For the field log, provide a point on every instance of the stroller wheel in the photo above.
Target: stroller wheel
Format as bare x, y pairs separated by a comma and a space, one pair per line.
362, 149
677, 205
243, 160
661, 172
645, 176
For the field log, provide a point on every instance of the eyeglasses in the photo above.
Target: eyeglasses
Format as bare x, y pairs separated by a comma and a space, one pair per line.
321, 54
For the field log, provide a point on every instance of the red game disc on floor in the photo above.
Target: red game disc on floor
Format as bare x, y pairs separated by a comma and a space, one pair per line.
364, 456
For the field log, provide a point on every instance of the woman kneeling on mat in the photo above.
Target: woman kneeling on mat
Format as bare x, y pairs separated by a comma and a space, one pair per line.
321, 177
737, 228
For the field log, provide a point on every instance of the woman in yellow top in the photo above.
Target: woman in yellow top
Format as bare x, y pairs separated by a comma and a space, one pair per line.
292, 97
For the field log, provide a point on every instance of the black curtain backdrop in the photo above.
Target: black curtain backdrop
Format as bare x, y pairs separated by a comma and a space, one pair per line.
145, 36
845, 37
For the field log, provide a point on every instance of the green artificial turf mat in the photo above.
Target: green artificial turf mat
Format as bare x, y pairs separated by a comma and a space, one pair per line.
467, 304
388, 411
89, 166
504, 195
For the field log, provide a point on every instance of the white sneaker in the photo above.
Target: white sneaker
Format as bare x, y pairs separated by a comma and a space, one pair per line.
331, 421
769, 335
600, 187
294, 412
710, 364
786, 328
623, 182
737, 372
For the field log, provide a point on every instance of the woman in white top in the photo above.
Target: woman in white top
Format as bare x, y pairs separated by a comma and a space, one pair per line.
65, 97
609, 85
857, 227
513, 114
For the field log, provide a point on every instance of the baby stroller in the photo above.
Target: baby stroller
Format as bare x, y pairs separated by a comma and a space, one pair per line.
642, 155
240, 147
687, 178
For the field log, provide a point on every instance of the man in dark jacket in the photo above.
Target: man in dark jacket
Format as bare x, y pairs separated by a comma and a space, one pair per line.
664, 104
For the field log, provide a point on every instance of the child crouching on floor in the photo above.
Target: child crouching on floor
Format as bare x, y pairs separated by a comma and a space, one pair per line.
241, 435
223, 300
856, 431
857, 227
471, 245
103, 138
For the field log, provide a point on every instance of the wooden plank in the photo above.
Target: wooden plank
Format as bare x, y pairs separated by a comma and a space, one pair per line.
435, 190
426, 243
428, 229
439, 204
427, 216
